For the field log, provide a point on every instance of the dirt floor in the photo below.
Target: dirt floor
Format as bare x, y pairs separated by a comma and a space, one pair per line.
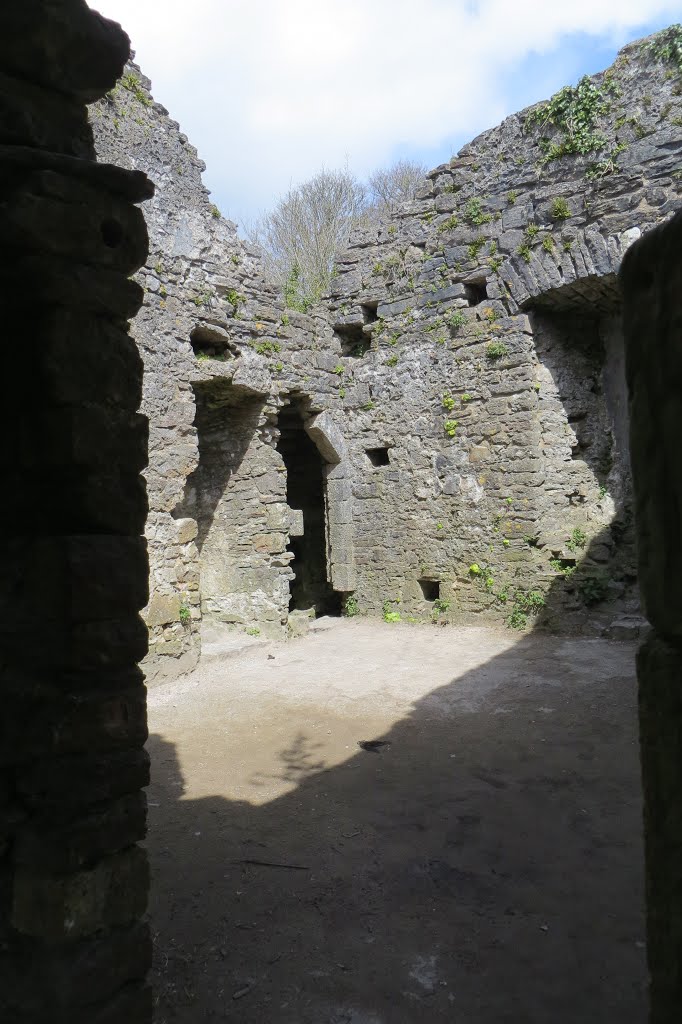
478, 860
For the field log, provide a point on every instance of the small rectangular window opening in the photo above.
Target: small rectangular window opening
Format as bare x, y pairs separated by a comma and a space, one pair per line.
430, 589
378, 456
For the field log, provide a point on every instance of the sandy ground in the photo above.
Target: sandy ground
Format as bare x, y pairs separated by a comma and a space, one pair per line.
480, 862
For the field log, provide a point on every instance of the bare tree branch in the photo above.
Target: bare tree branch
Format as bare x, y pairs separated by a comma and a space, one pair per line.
303, 234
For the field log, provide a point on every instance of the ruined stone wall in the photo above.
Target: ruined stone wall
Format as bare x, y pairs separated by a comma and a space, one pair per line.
212, 334
467, 370
652, 286
494, 373
74, 946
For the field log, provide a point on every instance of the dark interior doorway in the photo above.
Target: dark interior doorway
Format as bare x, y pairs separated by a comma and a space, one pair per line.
310, 588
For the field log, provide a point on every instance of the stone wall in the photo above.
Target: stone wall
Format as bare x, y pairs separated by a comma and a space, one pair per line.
74, 948
495, 368
469, 364
652, 286
221, 356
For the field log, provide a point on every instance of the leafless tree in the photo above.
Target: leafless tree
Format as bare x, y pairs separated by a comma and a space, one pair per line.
301, 237
391, 186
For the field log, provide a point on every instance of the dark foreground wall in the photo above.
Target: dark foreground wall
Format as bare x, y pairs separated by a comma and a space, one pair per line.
652, 286
73, 882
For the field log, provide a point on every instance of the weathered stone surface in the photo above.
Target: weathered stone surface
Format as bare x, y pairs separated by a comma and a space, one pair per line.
69, 48
163, 608
58, 788
652, 278
653, 270
74, 563
81, 975
67, 847
112, 894
537, 451
660, 696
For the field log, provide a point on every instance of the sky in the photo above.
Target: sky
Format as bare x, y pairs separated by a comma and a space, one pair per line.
272, 91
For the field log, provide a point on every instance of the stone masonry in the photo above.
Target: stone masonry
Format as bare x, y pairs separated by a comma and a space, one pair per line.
463, 385
74, 947
652, 285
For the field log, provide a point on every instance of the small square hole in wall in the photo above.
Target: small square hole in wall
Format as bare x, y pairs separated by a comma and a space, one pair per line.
369, 312
476, 292
378, 456
430, 589
354, 341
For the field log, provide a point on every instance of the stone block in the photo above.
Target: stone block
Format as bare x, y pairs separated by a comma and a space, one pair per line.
87, 359
298, 623
328, 437
111, 894
45, 723
73, 579
296, 527
163, 608
659, 670
93, 289
479, 453
269, 543
343, 576
73, 221
68, 846
31, 116
338, 489
58, 788
75, 977
68, 49
92, 502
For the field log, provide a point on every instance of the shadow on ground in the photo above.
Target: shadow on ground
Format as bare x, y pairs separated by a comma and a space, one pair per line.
483, 865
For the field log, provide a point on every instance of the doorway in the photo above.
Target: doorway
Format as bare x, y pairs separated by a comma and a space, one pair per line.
310, 589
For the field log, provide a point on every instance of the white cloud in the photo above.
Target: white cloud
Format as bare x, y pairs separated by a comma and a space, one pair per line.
269, 91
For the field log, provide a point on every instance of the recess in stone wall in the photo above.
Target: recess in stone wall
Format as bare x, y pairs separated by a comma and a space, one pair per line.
211, 342
430, 589
476, 291
583, 420
233, 495
378, 456
310, 587
352, 333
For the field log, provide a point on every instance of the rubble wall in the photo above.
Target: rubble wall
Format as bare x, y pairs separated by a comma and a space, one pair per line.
473, 338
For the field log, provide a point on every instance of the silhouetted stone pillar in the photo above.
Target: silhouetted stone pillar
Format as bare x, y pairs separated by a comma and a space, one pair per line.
73, 882
652, 286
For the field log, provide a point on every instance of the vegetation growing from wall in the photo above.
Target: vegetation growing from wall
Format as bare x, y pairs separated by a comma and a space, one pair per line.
666, 47
573, 123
